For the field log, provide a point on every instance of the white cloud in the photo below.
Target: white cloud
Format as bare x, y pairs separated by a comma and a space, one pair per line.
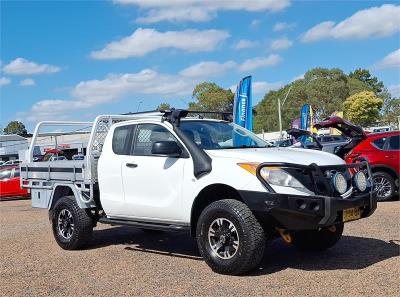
372, 22
176, 14
281, 44
27, 82
255, 23
254, 63
4, 81
144, 41
245, 43
392, 60
87, 94
198, 10
261, 87
283, 26
394, 90
207, 69
301, 76
21, 66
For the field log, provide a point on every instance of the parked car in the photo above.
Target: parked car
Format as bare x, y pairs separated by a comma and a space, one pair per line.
53, 155
214, 179
10, 183
284, 142
381, 150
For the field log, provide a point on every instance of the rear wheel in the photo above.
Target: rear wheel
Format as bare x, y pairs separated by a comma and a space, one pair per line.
318, 240
229, 237
383, 185
72, 226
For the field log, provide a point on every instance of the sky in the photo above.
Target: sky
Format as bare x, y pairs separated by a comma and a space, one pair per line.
74, 60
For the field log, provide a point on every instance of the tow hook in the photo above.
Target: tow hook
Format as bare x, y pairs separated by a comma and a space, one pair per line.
285, 234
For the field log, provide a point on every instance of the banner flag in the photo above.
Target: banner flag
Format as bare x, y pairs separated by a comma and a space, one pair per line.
242, 104
304, 116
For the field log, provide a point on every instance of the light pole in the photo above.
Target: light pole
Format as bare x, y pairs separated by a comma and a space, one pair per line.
140, 103
279, 111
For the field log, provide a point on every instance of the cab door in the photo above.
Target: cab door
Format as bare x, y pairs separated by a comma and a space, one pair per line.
152, 183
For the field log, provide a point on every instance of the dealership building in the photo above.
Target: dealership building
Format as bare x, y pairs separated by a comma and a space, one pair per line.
13, 147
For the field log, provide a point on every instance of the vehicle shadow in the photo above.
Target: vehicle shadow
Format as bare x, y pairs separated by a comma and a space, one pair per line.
176, 244
351, 252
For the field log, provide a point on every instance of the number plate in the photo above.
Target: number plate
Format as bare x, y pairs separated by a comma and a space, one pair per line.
351, 214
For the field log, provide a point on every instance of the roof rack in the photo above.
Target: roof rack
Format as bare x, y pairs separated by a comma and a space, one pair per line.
174, 115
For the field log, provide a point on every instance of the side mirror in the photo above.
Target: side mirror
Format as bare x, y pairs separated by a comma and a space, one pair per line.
167, 148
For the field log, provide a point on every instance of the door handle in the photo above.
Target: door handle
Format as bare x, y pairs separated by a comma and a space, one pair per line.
131, 165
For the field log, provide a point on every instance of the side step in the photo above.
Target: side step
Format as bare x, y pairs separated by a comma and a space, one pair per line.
145, 225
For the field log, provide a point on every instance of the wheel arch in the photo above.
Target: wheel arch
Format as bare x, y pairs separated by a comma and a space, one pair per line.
385, 168
208, 195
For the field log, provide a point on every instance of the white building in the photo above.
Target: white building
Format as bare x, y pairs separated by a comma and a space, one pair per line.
10, 145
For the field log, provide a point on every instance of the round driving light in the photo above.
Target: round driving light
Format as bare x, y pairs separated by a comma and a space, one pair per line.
340, 183
360, 181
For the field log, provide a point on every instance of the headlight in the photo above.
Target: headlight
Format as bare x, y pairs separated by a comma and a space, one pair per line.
273, 175
339, 182
360, 181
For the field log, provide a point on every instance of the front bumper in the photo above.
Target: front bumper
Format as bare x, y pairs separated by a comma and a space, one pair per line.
296, 212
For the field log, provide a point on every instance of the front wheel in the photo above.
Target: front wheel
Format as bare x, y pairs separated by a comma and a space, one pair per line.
318, 240
229, 237
72, 226
383, 185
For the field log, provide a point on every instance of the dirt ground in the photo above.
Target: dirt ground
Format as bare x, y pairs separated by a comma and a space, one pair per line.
124, 261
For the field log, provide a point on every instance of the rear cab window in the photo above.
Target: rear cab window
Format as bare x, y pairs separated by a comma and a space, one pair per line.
122, 139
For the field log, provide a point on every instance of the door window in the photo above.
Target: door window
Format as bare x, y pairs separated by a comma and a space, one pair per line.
147, 135
394, 142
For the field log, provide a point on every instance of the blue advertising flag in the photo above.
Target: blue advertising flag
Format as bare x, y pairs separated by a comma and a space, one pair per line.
305, 111
243, 107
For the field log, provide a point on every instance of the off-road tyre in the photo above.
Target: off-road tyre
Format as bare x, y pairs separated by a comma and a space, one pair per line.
386, 193
82, 231
317, 240
250, 234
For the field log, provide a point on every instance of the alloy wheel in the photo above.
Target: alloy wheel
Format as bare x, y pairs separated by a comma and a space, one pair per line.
223, 238
65, 223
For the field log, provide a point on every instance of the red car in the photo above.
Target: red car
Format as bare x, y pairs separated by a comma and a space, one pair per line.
381, 150
9, 183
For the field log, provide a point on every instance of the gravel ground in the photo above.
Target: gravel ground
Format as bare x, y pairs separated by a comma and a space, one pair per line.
123, 261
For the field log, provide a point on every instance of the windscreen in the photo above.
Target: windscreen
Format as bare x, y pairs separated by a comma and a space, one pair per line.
212, 135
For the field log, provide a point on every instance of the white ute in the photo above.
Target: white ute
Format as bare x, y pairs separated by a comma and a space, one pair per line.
220, 182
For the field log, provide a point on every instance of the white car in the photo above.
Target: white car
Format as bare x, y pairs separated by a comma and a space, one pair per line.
216, 180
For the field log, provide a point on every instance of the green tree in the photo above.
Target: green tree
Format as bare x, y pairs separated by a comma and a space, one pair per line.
370, 81
363, 108
391, 110
163, 106
325, 89
15, 127
211, 97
